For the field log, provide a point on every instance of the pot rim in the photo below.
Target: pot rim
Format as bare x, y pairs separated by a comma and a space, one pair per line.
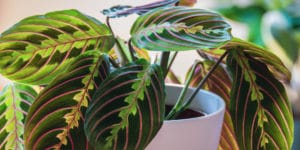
219, 111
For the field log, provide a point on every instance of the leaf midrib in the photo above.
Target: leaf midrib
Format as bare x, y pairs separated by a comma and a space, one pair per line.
85, 92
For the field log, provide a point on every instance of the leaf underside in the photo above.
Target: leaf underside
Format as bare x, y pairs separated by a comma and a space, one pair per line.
124, 10
15, 100
260, 109
128, 108
180, 28
39, 48
55, 119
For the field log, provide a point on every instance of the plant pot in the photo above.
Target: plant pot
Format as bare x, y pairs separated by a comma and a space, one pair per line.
193, 133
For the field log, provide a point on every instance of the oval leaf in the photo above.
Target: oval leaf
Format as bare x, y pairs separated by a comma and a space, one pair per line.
128, 108
55, 119
260, 109
180, 28
15, 100
39, 48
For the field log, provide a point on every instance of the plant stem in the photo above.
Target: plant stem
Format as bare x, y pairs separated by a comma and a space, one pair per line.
164, 60
188, 102
109, 26
171, 61
131, 50
180, 100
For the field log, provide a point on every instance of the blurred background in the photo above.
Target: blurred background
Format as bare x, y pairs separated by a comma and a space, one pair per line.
274, 24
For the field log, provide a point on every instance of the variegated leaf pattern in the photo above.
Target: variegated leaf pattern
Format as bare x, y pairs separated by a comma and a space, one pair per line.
39, 48
128, 108
180, 28
55, 119
260, 109
273, 63
125, 10
220, 83
15, 100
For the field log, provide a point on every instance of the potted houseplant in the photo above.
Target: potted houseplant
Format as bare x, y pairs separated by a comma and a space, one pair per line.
93, 95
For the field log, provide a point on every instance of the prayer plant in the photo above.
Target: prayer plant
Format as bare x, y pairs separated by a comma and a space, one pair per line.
77, 86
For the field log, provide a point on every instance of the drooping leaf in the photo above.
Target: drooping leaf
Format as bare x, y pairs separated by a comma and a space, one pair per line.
180, 28
220, 83
55, 119
39, 48
15, 100
128, 108
267, 57
125, 10
260, 109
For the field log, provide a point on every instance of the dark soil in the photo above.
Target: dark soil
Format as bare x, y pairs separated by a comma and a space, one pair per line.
185, 114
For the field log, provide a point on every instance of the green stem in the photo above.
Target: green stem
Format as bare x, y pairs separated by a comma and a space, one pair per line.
184, 106
164, 60
131, 50
180, 100
171, 61
109, 26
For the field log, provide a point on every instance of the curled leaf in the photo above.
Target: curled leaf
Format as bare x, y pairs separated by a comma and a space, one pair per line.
125, 10
179, 29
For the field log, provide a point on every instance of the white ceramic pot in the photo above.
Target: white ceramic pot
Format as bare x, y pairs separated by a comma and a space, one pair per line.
200, 133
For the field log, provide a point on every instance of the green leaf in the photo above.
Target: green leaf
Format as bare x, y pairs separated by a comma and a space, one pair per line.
220, 83
39, 48
249, 75
264, 122
57, 114
128, 108
15, 100
273, 63
180, 28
